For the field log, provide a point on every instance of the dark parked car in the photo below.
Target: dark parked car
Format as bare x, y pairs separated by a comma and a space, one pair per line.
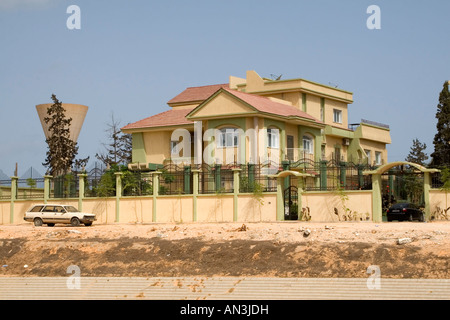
404, 211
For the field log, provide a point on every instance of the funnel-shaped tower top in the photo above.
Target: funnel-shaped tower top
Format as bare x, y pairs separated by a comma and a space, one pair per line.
75, 111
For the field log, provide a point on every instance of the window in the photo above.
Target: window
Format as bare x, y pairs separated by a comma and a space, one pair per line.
228, 137
377, 157
337, 116
273, 138
322, 109
308, 144
36, 209
367, 155
174, 147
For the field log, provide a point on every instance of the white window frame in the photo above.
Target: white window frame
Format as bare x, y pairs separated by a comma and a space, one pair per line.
377, 157
368, 153
228, 138
308, 144
337, 116
173, 147
273, 138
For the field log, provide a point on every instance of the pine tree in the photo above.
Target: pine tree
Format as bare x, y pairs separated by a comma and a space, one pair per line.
417, 154
441, 154
61, 149
119, 148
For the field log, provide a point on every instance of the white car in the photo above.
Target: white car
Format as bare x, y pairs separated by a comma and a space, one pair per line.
55, 213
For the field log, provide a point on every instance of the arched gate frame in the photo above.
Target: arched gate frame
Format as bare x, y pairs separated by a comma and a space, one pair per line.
377, 202
280, 190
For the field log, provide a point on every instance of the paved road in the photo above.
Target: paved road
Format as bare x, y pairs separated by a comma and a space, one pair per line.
221, 288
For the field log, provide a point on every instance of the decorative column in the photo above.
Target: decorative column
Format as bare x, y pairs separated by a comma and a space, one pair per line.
13, 198
118, 193
426, 194
236, 172
377, 211
280, 200
47, 180
195, 173
156, 175
81, 179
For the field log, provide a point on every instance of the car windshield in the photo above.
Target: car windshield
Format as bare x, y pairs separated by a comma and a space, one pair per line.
71, 209
399, 206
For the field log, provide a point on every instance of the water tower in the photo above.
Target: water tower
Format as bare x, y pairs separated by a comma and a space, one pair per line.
75, 111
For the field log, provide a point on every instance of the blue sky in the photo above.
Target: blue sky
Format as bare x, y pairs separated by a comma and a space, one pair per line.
130, 57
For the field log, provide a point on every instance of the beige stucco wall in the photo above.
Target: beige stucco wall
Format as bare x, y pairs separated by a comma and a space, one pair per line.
136, 209
222, 104
253, 209
330, 147
5, 207
174, 209
330, 105
322, 204
157, 146
439, 200
104, 209
212, 208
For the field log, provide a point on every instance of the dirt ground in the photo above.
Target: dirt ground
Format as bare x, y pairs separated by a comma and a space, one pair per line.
284, 249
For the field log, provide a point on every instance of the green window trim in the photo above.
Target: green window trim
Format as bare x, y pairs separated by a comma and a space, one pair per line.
304, 106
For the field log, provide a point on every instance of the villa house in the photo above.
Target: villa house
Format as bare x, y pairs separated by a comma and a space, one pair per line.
254, 120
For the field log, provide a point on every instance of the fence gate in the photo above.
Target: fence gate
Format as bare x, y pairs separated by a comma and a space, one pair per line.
291, 203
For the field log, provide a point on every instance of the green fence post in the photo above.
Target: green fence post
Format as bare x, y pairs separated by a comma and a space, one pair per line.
287, 180
236, 173
194, 192
118, 193
323, 175
360, 176
343, 174
251, 177
217, 177
426, 194
47, 180
13, 198
156, 175
280, 200
377, 213
187, 179
81, 179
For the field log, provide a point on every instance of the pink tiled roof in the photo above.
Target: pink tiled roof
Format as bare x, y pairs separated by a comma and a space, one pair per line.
167, 118
197, 93
177, 116
266, 105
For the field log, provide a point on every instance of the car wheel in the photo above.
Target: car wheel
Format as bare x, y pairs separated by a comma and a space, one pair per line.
38, 222
88, 224
421, 217
75, 222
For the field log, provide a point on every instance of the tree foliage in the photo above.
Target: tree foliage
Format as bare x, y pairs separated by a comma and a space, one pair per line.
417, 154
62, 150
441, 154
119, 149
